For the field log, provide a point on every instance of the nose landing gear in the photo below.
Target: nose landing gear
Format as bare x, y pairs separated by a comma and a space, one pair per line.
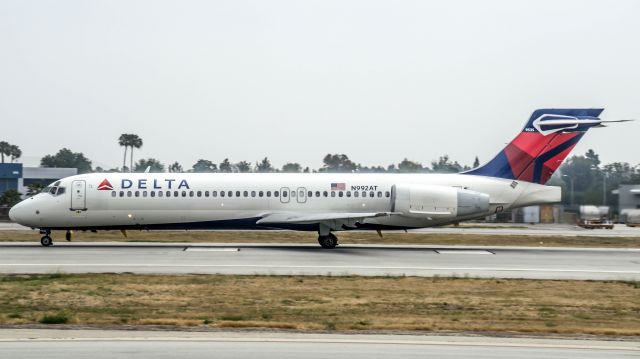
46, 240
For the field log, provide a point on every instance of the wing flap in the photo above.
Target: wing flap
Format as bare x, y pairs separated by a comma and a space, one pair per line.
305, 218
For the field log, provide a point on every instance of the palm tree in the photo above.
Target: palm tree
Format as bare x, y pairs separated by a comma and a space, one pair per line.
123, 141
136, 142
5, 149
14, 152
129, 140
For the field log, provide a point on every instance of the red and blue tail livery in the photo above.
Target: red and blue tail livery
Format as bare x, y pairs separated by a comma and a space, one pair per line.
546, 140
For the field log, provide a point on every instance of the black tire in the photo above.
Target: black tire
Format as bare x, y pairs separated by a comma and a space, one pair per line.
46, 241
329, 241
67, 236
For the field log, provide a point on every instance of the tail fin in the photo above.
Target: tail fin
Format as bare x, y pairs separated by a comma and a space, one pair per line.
546, 140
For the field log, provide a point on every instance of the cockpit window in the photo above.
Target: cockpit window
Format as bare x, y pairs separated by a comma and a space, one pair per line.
53, 190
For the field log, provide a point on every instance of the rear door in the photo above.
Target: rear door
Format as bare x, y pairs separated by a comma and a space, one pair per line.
79, 195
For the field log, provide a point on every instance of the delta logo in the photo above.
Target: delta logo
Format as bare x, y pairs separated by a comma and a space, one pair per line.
142, 183
105, 186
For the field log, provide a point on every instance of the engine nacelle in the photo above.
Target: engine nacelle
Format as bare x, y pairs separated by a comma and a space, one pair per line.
438, 202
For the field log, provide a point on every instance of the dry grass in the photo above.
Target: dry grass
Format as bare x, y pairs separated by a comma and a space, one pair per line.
326, 303
345, 237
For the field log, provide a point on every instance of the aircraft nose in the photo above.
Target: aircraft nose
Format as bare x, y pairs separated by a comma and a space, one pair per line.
12, 213
16, 213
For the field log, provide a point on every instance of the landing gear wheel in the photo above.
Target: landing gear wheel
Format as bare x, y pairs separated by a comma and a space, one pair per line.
68, 236
329, 241
46, 241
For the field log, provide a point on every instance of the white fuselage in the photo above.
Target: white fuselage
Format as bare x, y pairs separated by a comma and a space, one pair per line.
217, 200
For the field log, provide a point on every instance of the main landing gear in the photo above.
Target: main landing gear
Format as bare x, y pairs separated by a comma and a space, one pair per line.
328, 241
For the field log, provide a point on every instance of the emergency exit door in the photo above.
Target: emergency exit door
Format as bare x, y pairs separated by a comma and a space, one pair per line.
78, 195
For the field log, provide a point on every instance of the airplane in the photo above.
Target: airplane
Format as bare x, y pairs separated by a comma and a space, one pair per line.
319, 202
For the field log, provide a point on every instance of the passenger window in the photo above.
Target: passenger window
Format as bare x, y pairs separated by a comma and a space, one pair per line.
333, 193
317, 193
293, 194
348, 193
268, 193
160, 193
152, 193
340, 194
284, 193
253, 193
245, 193
137, 193
310, 194
168, 193
355, 194
214, 194
113, 193
325, 194
237, 193
229, 193
387, 194
379, 194
260, 194
176, 193
144, 193
199, 193
206, 193
301, 193
276, 194
184, 193
371, 194
222, 193
190, 194
129, 193
121, 193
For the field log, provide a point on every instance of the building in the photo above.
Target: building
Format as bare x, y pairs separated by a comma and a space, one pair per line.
15, 176
628, 197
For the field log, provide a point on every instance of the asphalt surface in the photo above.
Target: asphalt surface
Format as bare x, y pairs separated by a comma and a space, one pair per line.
366, 260
95, 344
497, 229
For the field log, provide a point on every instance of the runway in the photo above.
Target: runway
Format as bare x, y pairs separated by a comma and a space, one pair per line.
493, 229
99, 344
366, 260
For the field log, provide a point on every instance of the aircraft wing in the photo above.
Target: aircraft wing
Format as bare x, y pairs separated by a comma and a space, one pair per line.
307, 218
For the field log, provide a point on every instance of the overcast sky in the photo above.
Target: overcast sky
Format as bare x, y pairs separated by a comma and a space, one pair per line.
295, 80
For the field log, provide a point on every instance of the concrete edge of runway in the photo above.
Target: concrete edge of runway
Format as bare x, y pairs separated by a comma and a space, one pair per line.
307, 245
39, 335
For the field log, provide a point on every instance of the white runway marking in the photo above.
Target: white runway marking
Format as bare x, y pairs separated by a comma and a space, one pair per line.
463, 251
210, 249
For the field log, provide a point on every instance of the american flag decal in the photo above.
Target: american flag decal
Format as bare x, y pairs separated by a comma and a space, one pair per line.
338, 186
